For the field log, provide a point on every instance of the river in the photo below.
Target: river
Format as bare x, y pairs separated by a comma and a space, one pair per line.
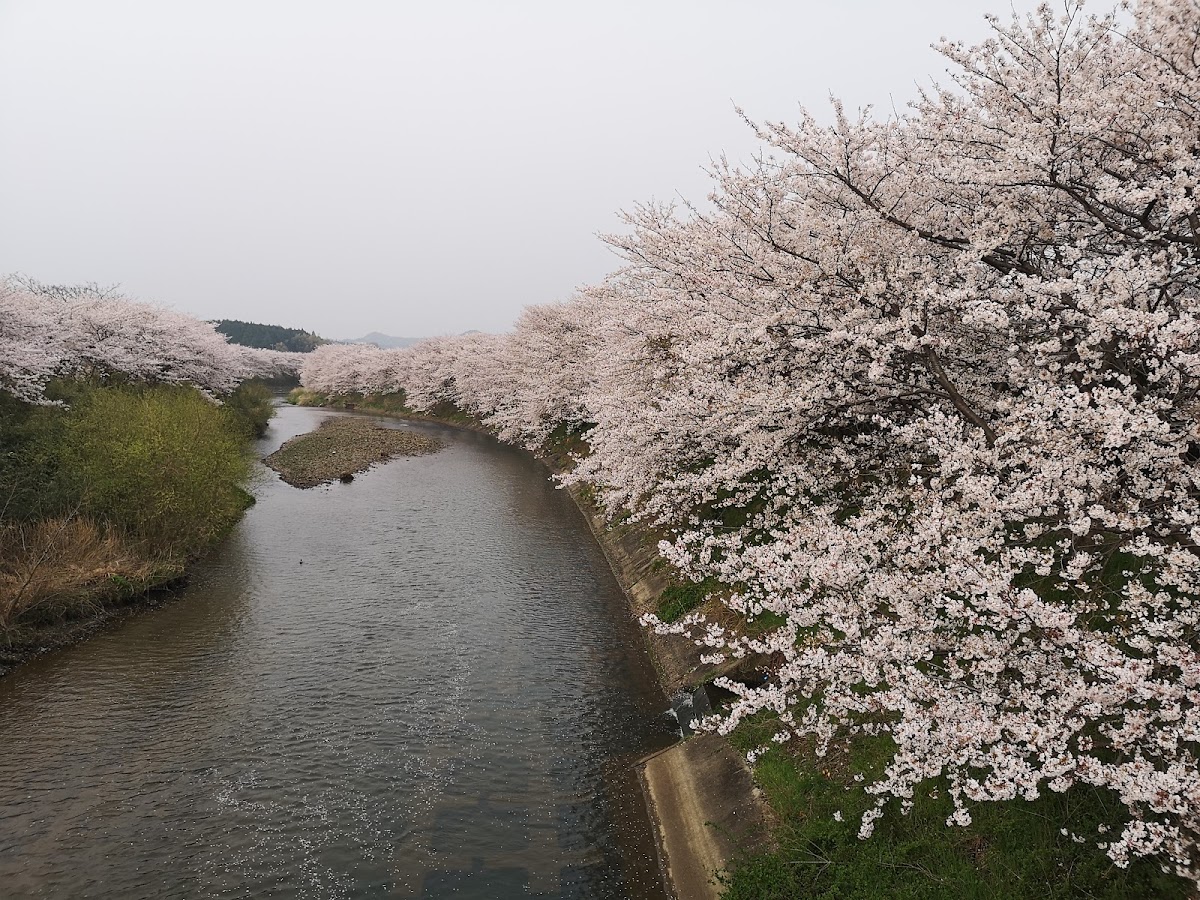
424, 683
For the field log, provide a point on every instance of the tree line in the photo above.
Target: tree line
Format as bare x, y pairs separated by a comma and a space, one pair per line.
269, 337
919, 397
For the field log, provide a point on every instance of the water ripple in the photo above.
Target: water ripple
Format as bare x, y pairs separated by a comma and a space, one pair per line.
421, 684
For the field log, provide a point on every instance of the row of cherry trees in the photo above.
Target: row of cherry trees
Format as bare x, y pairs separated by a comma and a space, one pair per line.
926, 390
49, 332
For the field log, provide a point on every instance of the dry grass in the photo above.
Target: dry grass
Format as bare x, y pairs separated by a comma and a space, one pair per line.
64, 567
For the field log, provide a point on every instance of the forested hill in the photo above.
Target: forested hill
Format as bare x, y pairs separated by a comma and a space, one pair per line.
269, 337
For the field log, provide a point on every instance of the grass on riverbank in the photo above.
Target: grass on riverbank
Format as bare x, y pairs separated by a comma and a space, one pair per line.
56, 568
344, 447
1011, 851
60, 579
384, 404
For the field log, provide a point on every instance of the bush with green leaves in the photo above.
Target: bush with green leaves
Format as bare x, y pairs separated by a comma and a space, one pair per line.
161, 464
252, 406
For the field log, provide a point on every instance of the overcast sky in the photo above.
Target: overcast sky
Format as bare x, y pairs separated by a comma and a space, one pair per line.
410, 168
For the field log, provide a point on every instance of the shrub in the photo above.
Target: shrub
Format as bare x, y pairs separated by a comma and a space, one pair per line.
161, 464
252, 407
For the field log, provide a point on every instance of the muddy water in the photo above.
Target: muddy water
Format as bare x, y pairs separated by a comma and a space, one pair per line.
420, 684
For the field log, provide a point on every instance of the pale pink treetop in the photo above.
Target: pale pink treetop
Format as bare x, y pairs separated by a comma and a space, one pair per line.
51, 331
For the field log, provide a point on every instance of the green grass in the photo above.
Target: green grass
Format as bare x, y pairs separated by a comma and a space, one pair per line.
677, 600
385, 404
1011, 851
564, 445
392, 404
452, 415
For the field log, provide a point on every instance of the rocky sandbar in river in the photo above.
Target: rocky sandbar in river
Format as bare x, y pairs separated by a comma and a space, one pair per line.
342, 447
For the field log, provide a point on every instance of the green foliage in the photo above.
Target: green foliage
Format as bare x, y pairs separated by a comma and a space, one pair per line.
28, 434
108, 495
302, 396
677, 600
391, 404
453, 414
565, 444
269, 337
122, 582
160, 464
1011, 850
252, 406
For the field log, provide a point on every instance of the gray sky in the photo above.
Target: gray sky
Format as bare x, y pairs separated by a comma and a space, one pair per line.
411, 168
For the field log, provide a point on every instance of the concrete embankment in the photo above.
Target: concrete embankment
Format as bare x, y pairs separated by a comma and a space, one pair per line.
700, 793
705, 808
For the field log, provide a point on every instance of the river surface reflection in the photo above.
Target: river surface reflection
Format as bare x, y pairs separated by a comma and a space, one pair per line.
424, 683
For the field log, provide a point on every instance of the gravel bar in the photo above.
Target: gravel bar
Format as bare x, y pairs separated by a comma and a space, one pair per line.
343, 447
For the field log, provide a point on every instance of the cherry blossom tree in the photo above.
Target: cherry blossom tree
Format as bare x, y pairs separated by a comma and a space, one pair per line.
50, 331
925, 390
29, 353
978, 505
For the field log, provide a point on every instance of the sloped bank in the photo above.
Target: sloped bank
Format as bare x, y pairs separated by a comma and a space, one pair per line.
700, 793
104, 603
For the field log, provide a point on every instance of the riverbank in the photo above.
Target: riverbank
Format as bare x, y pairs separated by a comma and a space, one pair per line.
342, 448
108, 497
109, 605
700, 793
64, 580
789, 828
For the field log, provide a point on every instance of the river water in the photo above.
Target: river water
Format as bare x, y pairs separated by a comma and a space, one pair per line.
424, 683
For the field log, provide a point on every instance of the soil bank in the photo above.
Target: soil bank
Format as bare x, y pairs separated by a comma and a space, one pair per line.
110, 607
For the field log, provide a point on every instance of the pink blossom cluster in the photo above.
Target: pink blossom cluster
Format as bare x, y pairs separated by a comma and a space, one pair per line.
49, 332
525, 384
925, 391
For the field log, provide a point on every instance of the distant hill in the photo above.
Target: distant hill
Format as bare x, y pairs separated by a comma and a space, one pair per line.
386, 341
269, 337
